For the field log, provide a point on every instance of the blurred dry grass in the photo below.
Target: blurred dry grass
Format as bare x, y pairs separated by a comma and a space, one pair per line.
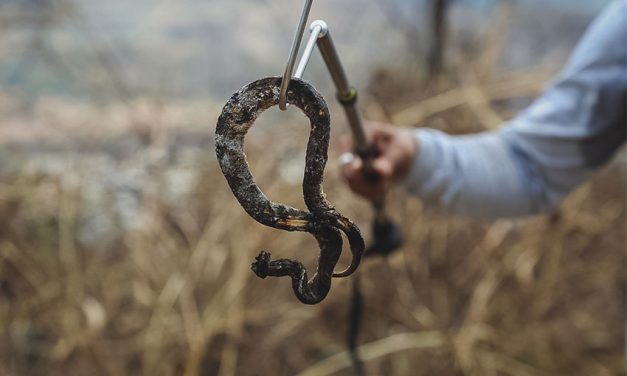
174, 294
543, 296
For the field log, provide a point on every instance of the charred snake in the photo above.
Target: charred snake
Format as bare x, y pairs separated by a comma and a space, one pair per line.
322, 220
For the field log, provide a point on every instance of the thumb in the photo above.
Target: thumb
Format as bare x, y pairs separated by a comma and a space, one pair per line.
383, 166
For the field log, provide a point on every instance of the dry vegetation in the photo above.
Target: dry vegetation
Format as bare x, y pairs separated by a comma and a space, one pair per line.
541, 296
174, 294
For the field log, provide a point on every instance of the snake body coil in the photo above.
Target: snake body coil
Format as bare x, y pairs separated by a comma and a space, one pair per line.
322, 220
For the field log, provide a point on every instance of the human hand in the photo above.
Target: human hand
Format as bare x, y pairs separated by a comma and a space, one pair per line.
395, 149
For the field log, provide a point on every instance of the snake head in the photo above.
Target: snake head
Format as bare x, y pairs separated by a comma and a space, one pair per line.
260, 266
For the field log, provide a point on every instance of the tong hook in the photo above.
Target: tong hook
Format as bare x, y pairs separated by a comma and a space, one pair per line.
287, 75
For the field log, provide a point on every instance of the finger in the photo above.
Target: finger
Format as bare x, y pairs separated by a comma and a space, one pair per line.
357, 181
352, 170
373, 128
384, 167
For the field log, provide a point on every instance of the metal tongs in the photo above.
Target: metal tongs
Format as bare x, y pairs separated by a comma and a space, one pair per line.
387, 235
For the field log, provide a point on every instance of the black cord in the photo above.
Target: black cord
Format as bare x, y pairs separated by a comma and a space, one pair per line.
387, 238
355, 313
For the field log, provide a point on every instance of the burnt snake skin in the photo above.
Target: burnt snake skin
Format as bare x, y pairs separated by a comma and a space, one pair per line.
322, 220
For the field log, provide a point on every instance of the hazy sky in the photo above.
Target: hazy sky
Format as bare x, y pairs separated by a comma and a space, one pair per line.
200, 47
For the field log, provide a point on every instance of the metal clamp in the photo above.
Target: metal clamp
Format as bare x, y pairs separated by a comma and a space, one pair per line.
346, 94
387, 233
287, 75
318, 29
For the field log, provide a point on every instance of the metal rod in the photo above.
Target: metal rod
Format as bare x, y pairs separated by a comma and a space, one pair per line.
345, 93
331, 58
287, 75
318, 28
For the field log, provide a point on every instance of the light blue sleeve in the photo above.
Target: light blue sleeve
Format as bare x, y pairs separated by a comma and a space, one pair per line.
535, 160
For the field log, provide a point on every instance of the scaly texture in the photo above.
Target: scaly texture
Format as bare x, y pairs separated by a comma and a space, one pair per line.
322, 220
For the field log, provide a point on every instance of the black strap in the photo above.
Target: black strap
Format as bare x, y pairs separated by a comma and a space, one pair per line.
387, 238
355, 312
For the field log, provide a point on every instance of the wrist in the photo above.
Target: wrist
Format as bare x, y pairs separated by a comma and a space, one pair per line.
427, 158
409, 144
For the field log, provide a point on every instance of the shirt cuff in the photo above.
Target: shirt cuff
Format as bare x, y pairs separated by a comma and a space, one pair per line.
426, 160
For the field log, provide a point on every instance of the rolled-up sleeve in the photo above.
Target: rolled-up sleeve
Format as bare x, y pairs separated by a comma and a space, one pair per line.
535, 160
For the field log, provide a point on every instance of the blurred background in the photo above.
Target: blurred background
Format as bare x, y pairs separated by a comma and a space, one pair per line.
123, 251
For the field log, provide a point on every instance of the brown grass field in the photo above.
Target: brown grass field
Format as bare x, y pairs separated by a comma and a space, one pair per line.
175, 294
166, 288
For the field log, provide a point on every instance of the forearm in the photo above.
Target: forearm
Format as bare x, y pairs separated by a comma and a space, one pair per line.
533, 162
477, 175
